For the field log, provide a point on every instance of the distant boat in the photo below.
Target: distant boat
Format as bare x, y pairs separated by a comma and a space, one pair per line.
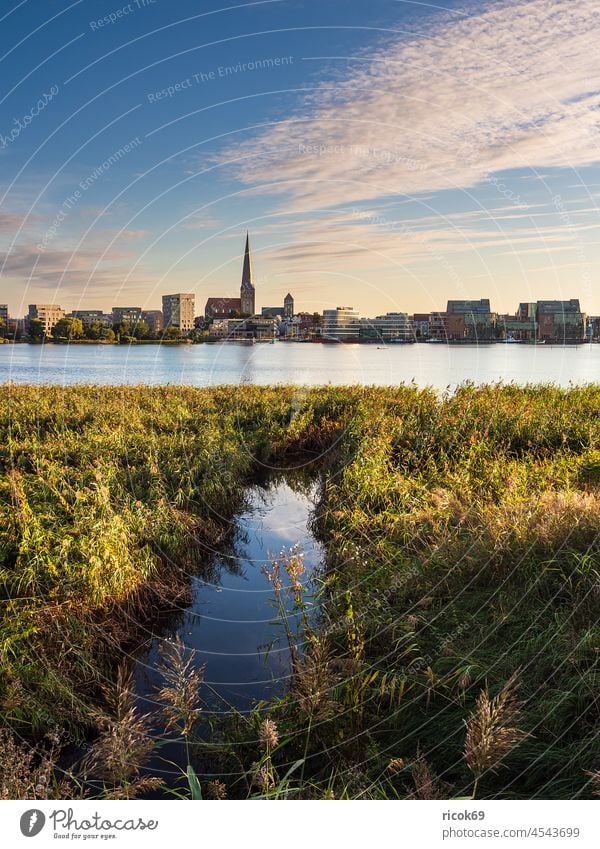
510, 340
435, 341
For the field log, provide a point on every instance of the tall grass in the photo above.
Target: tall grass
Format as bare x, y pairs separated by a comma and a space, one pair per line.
462, 537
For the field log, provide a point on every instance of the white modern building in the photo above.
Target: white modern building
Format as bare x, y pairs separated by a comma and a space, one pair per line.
341, 325
391, 327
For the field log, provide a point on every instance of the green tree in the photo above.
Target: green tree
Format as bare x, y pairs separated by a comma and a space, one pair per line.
122, 328
68, 328
142, 331
172, 333
2, 327
108, 334
36, 329
94, 330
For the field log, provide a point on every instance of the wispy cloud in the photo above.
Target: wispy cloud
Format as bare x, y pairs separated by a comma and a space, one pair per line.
513, 86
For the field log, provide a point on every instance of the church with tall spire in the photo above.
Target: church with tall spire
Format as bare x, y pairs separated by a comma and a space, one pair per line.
247, 291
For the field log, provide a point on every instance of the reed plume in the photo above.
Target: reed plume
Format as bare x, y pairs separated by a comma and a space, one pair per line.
124, 742
426, 784
492, 729
181, 693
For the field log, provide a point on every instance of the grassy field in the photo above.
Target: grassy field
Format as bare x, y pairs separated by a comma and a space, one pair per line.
457, 649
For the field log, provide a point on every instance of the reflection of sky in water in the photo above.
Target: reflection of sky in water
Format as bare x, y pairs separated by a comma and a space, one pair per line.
232, 621
313, 364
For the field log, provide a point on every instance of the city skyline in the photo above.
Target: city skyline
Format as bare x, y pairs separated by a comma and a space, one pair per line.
392, 158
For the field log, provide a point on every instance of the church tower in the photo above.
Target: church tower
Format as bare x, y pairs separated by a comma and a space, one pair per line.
288, 306
247, 293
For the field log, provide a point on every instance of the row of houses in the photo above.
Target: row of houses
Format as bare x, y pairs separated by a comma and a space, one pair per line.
178, 311
545, 321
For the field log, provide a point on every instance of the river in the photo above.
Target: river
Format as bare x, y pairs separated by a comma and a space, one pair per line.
438, 366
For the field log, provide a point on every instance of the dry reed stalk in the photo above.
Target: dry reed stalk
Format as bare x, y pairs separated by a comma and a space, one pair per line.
492, 730
268, 736
314, 680
181, 694
124, 743
426, 784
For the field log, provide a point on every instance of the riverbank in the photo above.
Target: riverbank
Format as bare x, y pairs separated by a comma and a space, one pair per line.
462, 538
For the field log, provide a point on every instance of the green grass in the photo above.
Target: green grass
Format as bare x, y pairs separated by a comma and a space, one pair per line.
463, 544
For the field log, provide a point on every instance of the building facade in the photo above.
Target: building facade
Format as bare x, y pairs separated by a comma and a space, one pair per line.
223, 308
391, 327
154, 320
561, 322
48, 314
178, 311
129, 314
341, 325
89, 317
470, 320
421, 325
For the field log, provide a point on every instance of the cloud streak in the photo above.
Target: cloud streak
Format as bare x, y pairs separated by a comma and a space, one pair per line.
515, 86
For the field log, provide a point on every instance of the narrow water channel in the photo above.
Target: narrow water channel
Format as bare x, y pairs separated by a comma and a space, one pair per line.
232, 623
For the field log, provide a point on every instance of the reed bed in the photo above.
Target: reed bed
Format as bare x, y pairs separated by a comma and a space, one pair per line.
456, 652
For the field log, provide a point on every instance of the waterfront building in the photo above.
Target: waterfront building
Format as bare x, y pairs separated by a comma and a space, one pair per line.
154, 320
393, 326
561, 322
593, 328
421, 325
516, 328
527, 311
89, 317
223, 308
244, 329
129, 314
48, 314
437, 327
178, 311
470, 320
341, 325
247, 291
303, 325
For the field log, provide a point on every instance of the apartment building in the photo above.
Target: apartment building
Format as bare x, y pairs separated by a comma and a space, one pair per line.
48, 314
178, 311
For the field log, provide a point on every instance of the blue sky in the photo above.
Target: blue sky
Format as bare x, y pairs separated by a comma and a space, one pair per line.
387, 155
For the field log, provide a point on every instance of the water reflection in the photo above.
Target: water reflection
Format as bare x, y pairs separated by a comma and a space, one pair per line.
231, 622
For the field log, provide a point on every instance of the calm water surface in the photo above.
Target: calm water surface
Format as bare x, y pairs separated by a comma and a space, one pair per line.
232, 623
312, 364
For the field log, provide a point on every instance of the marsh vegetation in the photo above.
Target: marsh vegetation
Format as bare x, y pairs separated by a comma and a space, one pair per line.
456, 648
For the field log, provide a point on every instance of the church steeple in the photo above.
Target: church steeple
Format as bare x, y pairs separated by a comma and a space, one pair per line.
247, 293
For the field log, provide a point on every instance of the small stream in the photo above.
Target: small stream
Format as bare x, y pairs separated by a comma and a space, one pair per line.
232, 623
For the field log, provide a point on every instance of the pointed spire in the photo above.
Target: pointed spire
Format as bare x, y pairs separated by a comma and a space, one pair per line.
247, 289
247, 269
